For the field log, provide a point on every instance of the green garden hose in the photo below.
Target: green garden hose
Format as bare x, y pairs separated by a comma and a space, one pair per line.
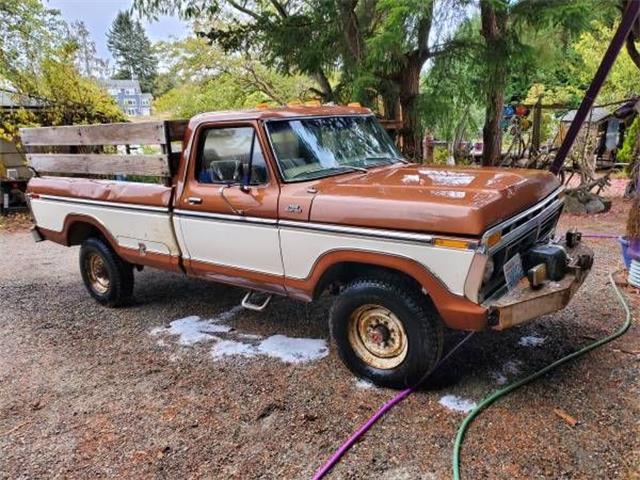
510, 388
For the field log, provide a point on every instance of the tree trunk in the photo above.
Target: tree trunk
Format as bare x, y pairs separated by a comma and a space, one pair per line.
491, 132
325, 90
493, 15
409, 90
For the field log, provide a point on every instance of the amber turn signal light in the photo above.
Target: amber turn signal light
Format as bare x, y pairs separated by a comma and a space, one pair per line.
451, 243
537, 275
494, 239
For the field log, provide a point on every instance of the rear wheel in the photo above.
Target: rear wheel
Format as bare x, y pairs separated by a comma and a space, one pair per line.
107, 277
387, 331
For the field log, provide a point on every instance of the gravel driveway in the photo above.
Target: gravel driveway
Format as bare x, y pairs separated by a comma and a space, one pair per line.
89, 392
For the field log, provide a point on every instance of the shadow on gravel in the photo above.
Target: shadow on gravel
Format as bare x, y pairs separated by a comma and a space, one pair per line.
499, 357
487, 359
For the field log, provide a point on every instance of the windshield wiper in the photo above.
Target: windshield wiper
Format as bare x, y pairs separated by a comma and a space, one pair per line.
314, 173
388, 160
351, 167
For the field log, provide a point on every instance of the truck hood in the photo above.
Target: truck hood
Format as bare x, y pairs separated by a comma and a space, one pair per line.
457, 201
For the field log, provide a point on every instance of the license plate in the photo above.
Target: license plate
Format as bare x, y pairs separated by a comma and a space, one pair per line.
513, 271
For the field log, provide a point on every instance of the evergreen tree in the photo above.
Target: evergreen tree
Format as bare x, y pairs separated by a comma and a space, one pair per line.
132, 51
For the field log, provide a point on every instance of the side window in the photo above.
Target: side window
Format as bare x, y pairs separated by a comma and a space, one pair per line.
225, 155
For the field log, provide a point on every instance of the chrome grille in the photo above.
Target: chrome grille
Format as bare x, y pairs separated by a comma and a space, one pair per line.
535, 227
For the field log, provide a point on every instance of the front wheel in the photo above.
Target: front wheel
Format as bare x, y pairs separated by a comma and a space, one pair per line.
107, 277
387, 331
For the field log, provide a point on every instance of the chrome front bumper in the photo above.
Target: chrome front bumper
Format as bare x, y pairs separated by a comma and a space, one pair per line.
523, 303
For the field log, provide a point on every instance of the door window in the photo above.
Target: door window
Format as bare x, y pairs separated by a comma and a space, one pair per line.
229, 155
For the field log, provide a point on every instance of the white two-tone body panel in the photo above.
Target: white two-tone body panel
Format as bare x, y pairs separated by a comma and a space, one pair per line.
302, 246
286, 248
130, 225
230, 241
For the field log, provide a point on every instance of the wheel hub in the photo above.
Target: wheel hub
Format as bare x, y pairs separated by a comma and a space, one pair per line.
377, 336
98, 273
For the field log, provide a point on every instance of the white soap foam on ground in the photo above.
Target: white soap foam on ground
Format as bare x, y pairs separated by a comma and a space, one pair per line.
512, 367
294, 350
193, 329
531, 341
286, 349
364, 384
499, 377
457, 404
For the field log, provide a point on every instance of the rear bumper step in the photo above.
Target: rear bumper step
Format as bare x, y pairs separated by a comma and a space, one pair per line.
35, 233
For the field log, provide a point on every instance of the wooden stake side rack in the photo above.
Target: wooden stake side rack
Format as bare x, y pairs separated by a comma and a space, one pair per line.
79, 149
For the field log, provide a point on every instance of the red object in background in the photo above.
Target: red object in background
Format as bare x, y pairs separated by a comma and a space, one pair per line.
522, 111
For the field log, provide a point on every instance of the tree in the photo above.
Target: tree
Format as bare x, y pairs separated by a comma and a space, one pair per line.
87, 61
202, 77
28, 31
452, 109
45, 73
132, 51
505, 25
370, 51
622, 82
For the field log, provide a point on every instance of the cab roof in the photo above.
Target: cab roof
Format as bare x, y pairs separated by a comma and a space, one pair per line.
279, 112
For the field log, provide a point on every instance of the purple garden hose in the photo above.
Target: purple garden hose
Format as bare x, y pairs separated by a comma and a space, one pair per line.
599, 235
322, 471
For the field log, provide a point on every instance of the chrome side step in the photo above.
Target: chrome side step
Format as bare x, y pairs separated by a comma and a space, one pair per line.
246, 301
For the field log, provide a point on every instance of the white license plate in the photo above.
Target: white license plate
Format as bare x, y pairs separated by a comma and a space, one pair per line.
513, 271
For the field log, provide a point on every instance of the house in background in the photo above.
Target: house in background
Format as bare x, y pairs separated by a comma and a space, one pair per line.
607, 127
129, 97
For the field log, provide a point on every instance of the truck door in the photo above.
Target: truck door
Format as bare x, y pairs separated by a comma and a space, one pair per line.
227, 232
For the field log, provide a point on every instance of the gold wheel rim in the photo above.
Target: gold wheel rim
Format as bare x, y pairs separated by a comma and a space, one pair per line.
98, 274
377, 336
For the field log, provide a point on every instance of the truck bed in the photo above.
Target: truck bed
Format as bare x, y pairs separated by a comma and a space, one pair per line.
149, 194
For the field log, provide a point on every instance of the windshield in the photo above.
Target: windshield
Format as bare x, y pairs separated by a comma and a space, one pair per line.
318, 147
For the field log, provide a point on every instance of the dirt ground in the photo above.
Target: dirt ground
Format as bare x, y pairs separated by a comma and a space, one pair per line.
89, 392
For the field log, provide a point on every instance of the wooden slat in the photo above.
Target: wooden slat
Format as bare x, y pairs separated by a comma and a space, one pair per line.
98, 164
176, 129
145, 133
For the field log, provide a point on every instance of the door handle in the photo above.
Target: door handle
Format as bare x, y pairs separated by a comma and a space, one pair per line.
194, 200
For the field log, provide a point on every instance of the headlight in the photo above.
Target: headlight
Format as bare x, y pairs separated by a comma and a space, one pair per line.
488, 271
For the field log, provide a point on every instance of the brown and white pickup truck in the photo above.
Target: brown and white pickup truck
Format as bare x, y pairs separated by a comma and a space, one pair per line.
299, 201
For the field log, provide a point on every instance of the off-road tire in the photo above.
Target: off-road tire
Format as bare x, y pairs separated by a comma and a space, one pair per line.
419, 318
119, 273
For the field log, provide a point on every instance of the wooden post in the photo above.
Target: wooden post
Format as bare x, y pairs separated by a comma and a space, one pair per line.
428, 148
536, 128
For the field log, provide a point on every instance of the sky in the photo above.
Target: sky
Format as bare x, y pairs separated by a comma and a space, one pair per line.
97, 15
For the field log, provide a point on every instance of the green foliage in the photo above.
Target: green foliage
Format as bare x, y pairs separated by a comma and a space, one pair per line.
132, 51
38, 61
624, 79
625, 155
451, 91
28, 32
205, 78
371, 51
